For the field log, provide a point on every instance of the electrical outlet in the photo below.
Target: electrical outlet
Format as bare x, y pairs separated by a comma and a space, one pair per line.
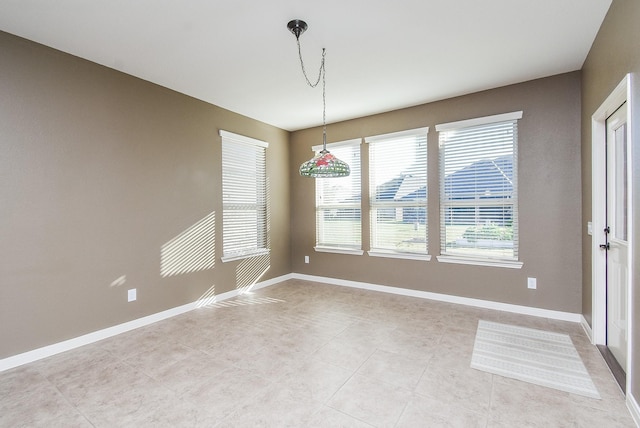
131, 295
306, 259
532, 283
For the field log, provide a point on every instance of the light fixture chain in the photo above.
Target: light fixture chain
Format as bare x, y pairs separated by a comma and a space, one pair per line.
304, 70
322, 72
323, 164
324, 103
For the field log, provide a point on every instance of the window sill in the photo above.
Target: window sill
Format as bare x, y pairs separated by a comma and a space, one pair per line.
480, 262
393, 255
256, 253
336, 250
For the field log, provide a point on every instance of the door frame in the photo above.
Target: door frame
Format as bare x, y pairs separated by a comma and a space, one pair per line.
621, 94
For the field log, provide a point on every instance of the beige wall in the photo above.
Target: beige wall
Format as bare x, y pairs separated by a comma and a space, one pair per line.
549, 192
99, 170
615, 52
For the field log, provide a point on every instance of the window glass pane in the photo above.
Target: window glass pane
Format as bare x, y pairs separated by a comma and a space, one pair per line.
339, 228
244, 217
478, 191
398, 191
338, 217
620, 225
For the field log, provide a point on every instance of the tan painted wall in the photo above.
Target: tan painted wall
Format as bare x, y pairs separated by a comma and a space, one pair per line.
99, 170
615, 52
549, 191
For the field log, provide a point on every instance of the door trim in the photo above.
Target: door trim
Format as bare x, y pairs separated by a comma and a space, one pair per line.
621, 94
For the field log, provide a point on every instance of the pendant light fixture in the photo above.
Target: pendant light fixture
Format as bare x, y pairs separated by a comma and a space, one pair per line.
324, 164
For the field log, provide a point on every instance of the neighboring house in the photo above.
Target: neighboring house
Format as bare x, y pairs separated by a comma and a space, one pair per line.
483, 179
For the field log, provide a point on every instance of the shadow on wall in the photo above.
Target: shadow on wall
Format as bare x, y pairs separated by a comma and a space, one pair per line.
248, 273
192, 250
250, 270
209, 300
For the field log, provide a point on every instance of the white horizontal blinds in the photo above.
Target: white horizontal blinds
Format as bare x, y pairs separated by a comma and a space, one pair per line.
338, 213
478, 189
244, 195
398, 191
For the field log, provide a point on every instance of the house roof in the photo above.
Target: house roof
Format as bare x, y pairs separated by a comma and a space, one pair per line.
485, 179
381, 55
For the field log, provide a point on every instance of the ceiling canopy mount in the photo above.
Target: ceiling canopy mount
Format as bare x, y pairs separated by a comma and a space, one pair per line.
297, 27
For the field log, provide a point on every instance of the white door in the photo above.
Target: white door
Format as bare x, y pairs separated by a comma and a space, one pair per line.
617, 234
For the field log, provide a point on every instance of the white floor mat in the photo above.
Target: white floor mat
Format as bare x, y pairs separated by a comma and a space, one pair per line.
540, 357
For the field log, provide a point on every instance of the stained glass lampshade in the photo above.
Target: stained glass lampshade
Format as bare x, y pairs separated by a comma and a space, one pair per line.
324, 165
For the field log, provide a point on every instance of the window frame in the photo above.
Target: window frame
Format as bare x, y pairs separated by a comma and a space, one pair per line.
375, 204
260, 206
329, 247
477, 259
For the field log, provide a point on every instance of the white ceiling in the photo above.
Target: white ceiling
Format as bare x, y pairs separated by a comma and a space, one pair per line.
381, 55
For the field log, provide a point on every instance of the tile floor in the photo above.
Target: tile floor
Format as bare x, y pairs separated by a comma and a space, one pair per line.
302, 354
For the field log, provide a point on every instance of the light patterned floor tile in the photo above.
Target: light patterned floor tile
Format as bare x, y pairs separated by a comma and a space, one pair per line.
371, 401
442, 413
303, 354
395, 369
328, 417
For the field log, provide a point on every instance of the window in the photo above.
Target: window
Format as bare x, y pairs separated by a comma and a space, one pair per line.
479, 191
338, 218
244, 197
398, 194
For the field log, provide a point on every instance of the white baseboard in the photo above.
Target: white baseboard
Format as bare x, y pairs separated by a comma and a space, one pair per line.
56, 348
586, 327
263, 284
487, 304
76, 342
634, 409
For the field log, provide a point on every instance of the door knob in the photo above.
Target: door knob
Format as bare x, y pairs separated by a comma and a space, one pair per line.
605, 246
